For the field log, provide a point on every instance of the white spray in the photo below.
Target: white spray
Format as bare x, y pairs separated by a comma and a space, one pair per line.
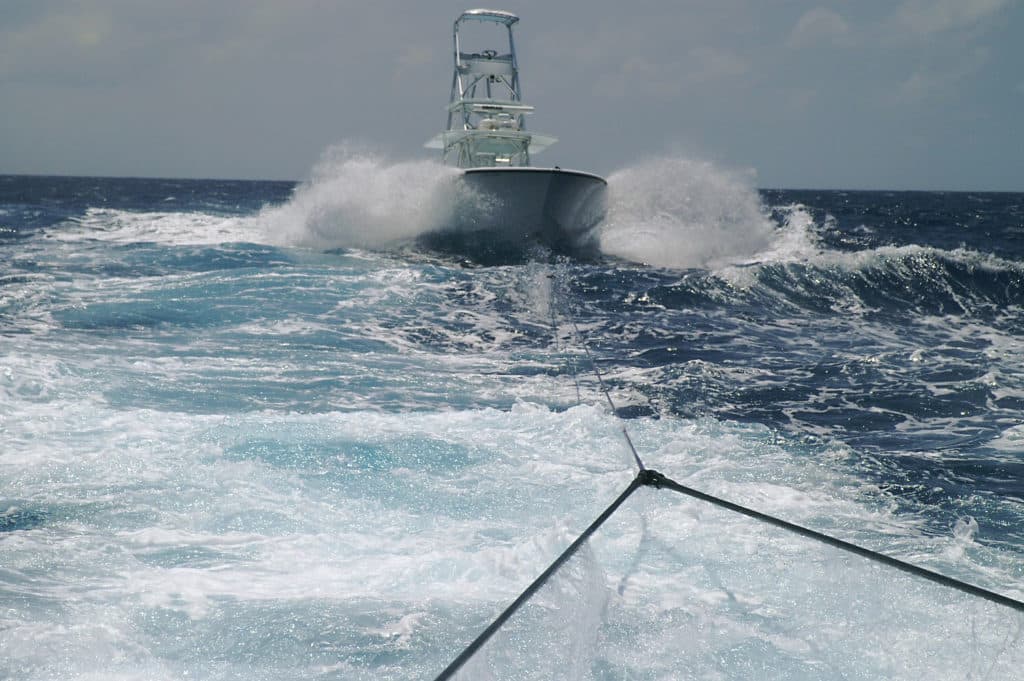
666, 212
357, 199
677, 212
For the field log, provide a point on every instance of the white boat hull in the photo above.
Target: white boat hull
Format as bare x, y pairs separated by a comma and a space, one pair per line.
509, 212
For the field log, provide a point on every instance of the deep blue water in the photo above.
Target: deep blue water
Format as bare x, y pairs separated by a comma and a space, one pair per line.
251, 430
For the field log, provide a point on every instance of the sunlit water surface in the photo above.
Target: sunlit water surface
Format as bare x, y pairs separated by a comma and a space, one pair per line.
250, 431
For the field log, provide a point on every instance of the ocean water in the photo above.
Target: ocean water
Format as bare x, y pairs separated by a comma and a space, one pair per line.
250, 430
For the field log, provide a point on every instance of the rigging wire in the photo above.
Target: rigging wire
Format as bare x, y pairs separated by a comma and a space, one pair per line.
604, 388
647, 477
651, 478
535, 586
657, 480
558, 339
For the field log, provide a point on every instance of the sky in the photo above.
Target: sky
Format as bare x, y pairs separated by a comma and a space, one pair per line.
897, 94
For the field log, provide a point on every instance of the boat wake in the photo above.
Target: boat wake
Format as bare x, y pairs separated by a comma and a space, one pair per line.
235, 455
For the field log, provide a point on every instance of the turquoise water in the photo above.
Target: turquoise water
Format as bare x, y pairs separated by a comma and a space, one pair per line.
251, 431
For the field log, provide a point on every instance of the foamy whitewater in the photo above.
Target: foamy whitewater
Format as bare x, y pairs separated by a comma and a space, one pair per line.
251, 430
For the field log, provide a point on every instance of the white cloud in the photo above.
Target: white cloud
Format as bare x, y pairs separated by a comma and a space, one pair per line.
927, 17
110, 43
75, 39
414, 60
710, 64
258, 87
927, 83
819, 26
639, 75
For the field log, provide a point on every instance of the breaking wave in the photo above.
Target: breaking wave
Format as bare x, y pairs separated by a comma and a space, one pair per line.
893, 279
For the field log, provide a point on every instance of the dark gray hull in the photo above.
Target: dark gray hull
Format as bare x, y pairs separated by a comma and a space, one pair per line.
508, 212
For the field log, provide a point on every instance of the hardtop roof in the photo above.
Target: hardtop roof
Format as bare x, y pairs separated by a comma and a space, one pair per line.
496, 15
